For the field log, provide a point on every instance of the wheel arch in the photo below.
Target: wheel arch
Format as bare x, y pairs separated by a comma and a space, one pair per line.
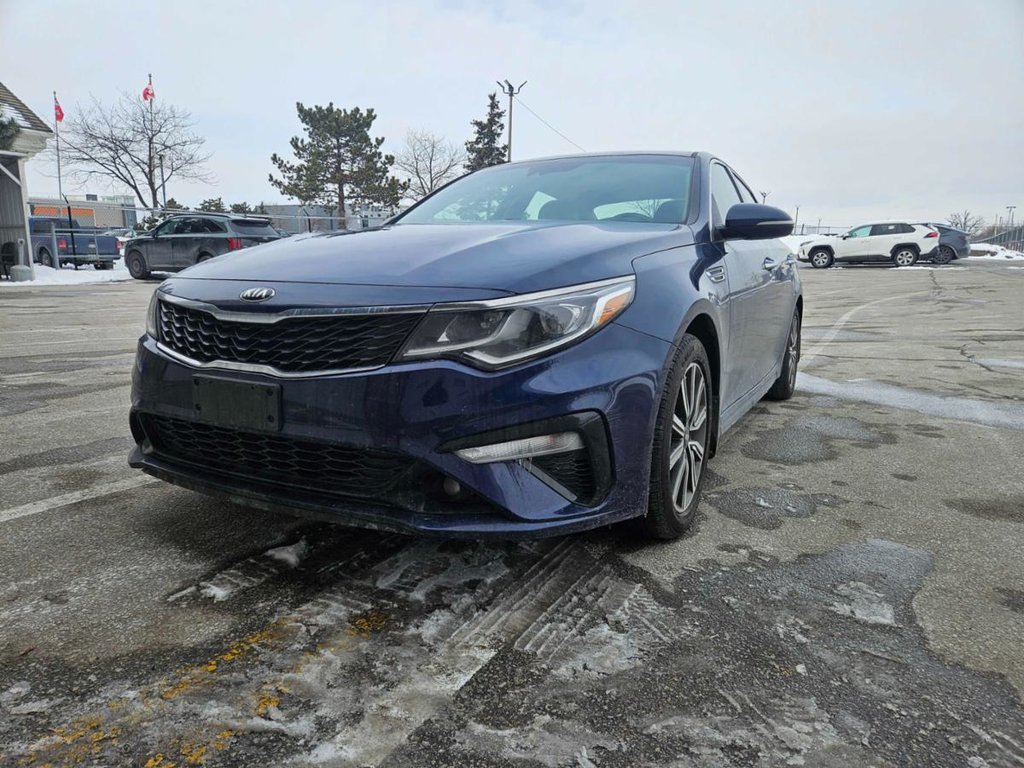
822, 247
702, 327
913, 246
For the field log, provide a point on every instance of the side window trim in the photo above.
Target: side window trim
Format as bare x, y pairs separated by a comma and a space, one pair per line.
711, 195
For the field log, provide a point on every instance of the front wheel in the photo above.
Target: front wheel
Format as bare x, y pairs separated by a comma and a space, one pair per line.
821, 258
904, 257
681, 439
785, 385
137, 266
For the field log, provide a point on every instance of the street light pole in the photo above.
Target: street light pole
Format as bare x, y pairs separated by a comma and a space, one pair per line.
764, 197
511, 91
1009, 222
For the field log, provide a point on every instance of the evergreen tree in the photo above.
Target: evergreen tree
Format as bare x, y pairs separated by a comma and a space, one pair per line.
9, 131
213, 205
485, 148
241, 208
337, 162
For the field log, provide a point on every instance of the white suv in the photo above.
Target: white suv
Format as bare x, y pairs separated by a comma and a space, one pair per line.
896, 242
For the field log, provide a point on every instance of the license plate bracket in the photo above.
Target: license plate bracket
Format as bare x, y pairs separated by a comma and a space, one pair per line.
241, 404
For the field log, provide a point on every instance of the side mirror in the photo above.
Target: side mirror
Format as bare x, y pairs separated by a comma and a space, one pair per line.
846, 236
751, 221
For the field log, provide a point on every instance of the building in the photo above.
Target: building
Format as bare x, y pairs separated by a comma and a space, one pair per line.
30, 140
316, 218
108, 211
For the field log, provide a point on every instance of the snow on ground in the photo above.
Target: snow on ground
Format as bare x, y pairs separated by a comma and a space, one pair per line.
71, 276
989, 251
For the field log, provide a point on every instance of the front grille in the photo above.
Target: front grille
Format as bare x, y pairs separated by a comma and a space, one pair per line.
321, 467
573, 470
292, 345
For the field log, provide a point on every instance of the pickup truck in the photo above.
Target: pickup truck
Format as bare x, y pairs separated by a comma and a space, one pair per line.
71, 243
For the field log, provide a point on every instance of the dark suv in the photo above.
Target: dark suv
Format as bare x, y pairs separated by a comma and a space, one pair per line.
953, 244
186, 239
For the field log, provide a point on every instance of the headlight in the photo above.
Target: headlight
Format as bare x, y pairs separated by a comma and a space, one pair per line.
152, 317
494, 334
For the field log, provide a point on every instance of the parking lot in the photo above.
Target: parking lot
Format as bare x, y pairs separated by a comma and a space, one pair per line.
851, 595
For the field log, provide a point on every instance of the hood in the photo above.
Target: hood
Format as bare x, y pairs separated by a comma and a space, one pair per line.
512, 257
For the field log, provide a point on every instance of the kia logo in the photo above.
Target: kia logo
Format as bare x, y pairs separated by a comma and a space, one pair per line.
257, 294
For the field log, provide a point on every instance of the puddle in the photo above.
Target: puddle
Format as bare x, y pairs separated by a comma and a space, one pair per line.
808, 438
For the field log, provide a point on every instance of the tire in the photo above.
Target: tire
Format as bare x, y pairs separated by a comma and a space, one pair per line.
137, 267
904, 256
821, 258
45, 258
785, 385
203, 257
683, 428
944, 255
101, 265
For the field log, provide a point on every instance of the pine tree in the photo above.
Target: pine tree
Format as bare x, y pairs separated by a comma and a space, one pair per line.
485, 149
338, 162
9, 131
241, 208
213, 205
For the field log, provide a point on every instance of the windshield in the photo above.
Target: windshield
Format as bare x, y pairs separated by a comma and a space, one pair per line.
639, 188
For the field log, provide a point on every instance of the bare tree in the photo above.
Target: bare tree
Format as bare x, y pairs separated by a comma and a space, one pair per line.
429, 161
126, 141
967, 222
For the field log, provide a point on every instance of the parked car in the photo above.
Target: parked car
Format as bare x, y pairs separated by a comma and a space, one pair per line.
537, 348
953, 244
123, 235
186, 239
897, 242
56, 242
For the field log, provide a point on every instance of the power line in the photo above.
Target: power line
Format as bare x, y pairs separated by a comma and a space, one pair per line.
549, 125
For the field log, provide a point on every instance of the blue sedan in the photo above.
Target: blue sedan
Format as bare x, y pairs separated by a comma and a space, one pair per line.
535, 349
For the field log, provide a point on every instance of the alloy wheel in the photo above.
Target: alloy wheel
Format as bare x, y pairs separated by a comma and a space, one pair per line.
689, 437
820, 259
905, 257
793, 351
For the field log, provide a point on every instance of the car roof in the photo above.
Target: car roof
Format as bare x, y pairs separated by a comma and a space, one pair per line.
622, 153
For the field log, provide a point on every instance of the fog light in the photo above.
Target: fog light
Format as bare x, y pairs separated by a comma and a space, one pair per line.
542, 445
452, 486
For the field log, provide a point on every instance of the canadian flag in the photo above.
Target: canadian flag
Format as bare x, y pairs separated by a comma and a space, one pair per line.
148, 92
58, 113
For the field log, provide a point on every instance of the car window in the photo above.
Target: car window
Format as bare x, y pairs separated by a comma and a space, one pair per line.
860, 231
880, 230
253, 227
170, 227
723, 194
745, 192
637, 188
213, 227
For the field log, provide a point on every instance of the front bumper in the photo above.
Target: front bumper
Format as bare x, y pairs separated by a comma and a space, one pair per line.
417, 411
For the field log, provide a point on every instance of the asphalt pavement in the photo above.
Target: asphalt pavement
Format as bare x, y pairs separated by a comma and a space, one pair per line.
852, 593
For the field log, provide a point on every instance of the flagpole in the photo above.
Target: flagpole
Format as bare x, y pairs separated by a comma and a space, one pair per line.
56, 131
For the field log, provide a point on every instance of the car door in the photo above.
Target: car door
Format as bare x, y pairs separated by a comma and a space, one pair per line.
855, 245
158, 246
187, 241
749, 288
884, 238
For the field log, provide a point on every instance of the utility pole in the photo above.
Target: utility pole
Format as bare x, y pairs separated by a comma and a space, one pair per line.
511, 91
764, 196
1010, 220
796, 218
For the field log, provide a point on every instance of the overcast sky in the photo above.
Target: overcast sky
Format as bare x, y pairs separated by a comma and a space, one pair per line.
852, 110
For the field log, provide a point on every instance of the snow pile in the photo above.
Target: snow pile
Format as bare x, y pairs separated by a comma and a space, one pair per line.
990, 251
71, 276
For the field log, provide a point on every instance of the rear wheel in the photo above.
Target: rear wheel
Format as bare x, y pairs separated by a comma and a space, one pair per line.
203, 257
45, 258
821, 258
785, 385
681, 438
904, 256
944, 255
137, 267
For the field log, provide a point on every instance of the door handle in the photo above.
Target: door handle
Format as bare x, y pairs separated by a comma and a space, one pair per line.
769, 263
